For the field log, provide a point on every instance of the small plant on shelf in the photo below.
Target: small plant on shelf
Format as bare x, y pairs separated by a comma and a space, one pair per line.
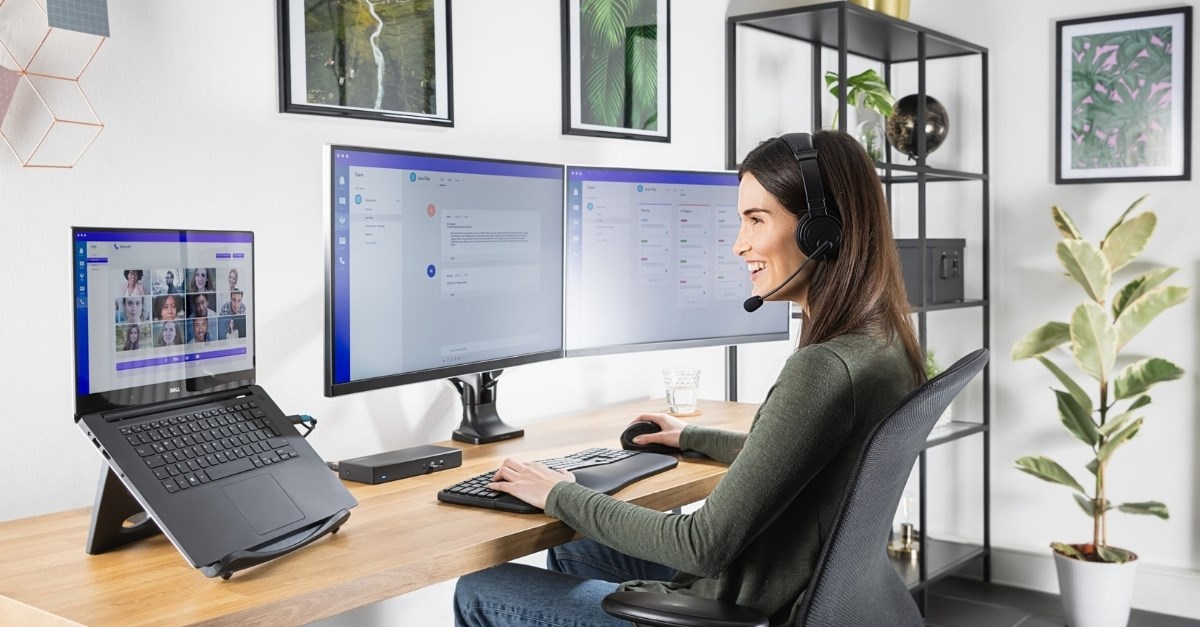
865, 91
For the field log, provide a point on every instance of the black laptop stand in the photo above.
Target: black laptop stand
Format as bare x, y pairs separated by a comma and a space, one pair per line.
118, 519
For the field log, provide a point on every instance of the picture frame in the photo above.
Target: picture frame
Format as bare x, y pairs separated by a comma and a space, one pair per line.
1123, 97
326, 68
616, 67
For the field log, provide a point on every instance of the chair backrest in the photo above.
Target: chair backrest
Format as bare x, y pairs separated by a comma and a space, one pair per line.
854, 583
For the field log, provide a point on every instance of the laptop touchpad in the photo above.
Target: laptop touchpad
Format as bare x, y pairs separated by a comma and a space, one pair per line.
263, 503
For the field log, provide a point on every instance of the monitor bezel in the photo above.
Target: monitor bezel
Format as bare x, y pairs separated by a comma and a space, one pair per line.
332, 388
636, 347
110, 400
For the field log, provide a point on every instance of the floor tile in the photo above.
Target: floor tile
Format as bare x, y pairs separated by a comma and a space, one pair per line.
957, 612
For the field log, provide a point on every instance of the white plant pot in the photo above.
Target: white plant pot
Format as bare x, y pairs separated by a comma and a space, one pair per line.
1095, 594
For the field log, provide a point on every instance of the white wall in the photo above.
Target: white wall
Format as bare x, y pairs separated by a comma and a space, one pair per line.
188, 95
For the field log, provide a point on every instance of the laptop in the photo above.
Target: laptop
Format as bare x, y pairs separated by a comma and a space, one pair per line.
165, 389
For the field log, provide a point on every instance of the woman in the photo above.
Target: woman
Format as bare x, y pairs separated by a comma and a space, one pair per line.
199, 282
133, 284
167, 306
168, 335
133, 338
233, 279
757, 537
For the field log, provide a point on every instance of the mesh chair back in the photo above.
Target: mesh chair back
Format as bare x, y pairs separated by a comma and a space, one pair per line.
854, 583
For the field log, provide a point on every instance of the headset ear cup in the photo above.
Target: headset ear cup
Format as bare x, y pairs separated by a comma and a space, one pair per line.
812, 231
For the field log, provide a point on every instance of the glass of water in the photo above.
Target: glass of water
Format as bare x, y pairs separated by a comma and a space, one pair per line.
682, 389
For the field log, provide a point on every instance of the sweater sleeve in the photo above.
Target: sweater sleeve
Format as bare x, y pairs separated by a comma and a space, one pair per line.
719, 444
801, 425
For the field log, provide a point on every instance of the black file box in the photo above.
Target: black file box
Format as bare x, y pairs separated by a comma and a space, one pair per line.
943, 270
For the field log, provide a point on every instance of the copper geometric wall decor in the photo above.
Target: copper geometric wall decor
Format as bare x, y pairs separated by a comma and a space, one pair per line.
49, 121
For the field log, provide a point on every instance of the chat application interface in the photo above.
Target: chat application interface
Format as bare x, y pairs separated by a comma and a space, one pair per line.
161, 306
440, 261
650, 259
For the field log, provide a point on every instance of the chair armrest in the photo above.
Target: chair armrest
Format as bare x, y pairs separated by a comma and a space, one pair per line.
679, 610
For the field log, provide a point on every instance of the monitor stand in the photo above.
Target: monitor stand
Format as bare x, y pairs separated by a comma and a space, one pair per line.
117, 518
480, 422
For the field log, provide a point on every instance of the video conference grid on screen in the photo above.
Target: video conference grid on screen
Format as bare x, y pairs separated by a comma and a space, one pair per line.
438, 262
156, 309
650, 261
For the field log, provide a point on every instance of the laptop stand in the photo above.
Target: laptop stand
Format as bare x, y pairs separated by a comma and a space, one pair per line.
117, 518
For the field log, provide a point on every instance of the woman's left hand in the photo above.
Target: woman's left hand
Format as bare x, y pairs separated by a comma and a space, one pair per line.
529, 481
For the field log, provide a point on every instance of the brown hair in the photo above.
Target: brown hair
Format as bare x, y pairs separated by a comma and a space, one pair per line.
861, 288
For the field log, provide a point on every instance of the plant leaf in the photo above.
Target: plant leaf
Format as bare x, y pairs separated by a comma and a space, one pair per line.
1093, 466
1111, 444
1087, 265
1140, 375
1076, 419
1068, 551
1142, 401
1141, 311
1134, 289
1047, 469
1041, 340
1114, 424
1076, 392
1064, 223
1093, 340
1127, 240
1087, 505
1113, 555
1125, 214
1150, 508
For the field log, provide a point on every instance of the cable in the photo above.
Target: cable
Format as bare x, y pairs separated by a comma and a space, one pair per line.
304, 420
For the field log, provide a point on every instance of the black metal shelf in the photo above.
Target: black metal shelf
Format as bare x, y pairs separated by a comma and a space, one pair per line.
904, 173
941, 558
953, 431
868, 33
958, 304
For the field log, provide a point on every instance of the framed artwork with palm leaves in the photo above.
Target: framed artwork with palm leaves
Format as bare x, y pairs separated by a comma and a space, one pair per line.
366, 59
1123, 102
616, 69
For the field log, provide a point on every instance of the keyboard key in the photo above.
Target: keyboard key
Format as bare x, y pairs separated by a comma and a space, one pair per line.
232, 468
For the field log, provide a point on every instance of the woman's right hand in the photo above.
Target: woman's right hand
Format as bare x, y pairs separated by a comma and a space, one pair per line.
671, 427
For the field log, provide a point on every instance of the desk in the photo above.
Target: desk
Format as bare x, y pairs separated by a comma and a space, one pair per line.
398, 539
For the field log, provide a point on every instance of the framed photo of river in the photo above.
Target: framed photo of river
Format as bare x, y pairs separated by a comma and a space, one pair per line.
374, 59
1124, 97
616, 68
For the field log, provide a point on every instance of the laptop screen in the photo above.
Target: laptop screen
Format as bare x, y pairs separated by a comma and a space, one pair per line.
160, 314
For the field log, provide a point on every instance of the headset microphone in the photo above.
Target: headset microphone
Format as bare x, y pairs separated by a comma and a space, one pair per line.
754, 302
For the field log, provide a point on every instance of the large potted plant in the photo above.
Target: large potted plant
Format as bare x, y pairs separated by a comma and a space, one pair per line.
1096, 578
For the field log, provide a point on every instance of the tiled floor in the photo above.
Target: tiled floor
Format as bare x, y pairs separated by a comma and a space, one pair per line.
961, 602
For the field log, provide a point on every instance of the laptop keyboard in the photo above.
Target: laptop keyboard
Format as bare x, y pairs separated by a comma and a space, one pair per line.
193, 449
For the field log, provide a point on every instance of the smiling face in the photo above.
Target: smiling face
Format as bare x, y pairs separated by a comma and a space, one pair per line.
200, 329
767, 242
168, 334
200, 278
133, 310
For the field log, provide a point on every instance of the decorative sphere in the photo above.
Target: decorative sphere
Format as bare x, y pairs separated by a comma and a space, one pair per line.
902, 125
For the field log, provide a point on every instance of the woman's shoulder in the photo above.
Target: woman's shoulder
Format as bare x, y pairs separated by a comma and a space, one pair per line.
851, 352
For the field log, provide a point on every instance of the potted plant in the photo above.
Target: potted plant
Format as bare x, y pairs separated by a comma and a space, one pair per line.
865, 90
1096, 578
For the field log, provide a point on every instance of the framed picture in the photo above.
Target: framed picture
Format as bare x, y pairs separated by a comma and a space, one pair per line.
617, 68
381, 61
1124, 100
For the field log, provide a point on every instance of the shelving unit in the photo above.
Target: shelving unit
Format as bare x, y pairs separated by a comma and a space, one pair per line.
847, 31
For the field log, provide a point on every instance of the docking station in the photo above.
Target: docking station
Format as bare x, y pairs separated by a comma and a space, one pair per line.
400, 464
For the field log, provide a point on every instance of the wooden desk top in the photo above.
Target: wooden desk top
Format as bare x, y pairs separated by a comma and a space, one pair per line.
398, 539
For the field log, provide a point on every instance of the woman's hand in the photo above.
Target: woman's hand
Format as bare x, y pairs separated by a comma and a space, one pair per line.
671, 427
529, 481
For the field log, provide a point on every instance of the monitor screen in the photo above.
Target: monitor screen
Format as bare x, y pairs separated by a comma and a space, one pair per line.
439, 266
160, 314
650, 263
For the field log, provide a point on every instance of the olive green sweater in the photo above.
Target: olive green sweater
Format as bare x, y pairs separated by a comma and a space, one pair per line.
756, 539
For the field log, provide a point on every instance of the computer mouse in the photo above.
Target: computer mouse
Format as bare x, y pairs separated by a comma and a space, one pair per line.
642, 428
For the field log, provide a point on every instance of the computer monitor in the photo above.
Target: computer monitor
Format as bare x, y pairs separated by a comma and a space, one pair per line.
160, 314
441, 267
650, 263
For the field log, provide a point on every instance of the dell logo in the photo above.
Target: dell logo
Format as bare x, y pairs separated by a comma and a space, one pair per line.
173, 390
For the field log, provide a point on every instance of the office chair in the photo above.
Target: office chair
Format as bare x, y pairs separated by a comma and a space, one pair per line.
853, 583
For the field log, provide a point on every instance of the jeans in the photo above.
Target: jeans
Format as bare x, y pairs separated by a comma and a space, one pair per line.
568, 594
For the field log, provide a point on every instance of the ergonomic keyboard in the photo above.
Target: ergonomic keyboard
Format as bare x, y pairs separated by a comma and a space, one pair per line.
192, 449
601, 469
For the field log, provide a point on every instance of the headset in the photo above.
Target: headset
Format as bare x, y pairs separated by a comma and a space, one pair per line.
819, 233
